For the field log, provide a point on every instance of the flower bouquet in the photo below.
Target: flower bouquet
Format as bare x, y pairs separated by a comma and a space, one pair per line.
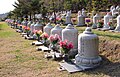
38, 33
27, 30
54, 39
45, 37
110, 24
65, 47
88, 22
100, 24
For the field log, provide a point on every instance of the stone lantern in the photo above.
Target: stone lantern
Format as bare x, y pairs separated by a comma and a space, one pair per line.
88, 53
48, 28
38, 26
96, 18
81, 19
68, 18
71, 34
57, 30
118, 24
107, 19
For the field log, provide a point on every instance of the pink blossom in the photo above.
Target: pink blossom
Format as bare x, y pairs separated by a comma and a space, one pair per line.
51, 38
35, 31
70, 45
45, 35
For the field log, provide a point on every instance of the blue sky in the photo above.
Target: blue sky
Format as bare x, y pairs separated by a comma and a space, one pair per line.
6, 5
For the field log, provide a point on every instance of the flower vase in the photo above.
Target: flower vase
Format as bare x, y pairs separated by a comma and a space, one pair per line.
54, 47
45, 43
27, 34
66, 58
38, 39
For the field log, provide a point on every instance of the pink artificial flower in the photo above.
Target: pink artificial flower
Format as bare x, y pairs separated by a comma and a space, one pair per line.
109, 23
45, 35
35, 31
70, 46
56, 37
51, 38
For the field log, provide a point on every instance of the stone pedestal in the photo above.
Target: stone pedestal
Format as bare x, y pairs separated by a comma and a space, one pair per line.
88, 55
107, 19
96, 18
68, 18
57, 30
118, 24
81, 20
48, 28
38, 26
71, 34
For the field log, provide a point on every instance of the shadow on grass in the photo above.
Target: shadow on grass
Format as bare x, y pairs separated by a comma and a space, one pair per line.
111, 36
106, 68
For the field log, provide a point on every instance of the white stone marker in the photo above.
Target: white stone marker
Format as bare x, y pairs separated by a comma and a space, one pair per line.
118, 24
96, 18
81, 19
114, 11
32, 27
29, 23
107, 19
48, 28
68, 18
84, 12
112, 7
38, 26
57, 30
70, 34
88, 53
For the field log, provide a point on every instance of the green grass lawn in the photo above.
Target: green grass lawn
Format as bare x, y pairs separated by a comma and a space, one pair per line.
20, 59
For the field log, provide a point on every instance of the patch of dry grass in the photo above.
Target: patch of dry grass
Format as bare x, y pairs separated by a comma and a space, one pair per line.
19, 59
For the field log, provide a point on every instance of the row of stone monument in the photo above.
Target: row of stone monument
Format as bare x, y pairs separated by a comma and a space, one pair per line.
86, 44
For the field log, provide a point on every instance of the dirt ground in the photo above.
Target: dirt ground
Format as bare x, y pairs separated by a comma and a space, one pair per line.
20, 59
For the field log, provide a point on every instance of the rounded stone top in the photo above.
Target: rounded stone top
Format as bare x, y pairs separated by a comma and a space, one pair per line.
38, 24
97, 15
108, 14
69, 26
57, 27
88, 30
79, 12
48, 24
68, 14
